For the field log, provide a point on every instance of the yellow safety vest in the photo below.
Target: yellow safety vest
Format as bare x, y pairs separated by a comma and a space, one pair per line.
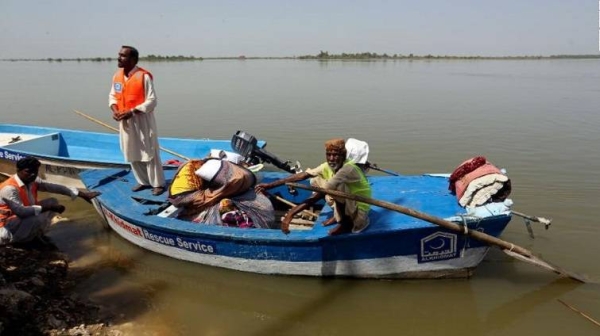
360, 188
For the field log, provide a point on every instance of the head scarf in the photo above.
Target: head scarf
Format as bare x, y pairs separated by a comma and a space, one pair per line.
336, 145
193, 179
358, 151
209, 170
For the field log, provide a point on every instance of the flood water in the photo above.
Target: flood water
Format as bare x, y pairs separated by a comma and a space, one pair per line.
536, 118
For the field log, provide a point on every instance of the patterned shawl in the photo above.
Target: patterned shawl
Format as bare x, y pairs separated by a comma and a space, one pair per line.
234, 182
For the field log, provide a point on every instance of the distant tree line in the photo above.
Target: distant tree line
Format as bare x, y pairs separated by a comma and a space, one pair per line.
322, 55
149, 58
159, 58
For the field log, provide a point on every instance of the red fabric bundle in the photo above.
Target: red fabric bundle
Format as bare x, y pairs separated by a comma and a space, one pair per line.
173, 162
464, 169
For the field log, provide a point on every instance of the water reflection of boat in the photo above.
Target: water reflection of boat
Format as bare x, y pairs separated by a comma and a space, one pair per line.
207, 299
393, 246
184, 297
504, 314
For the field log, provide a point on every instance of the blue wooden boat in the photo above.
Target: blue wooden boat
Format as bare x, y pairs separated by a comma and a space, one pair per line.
64, 153
393, 246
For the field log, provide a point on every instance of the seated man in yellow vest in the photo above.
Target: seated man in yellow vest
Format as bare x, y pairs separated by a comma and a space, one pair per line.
24, 218
336, 173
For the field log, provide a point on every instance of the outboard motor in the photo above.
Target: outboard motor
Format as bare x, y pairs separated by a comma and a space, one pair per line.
245, 144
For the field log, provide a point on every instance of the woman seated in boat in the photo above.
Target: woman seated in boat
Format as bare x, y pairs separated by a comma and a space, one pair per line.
223, 194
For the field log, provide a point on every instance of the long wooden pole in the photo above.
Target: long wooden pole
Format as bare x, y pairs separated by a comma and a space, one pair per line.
511, 249
116, 130
374, 167
292, 204
579, 312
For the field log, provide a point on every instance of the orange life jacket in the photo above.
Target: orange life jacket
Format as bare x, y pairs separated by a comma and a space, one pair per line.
129, 93
5, 212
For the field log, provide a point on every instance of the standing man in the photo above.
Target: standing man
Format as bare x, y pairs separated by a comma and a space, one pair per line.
132, 100
22, 216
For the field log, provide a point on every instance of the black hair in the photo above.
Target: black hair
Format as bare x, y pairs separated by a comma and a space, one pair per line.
134, 52
28, 162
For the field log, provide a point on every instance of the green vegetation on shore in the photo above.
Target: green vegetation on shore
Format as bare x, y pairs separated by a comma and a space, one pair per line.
322, 55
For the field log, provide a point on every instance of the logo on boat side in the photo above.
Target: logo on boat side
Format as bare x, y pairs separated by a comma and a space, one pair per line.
121, 223
438, 246
189, 244
118, 87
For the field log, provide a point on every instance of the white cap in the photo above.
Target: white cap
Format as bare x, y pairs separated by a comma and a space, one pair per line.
357, 151
209, 169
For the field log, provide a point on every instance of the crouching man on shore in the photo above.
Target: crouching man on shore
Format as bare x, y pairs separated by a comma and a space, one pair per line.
22, 216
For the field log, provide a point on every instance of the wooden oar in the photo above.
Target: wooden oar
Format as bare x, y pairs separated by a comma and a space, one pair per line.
292, 204
375, 167
116, 130
511, 249
579, 312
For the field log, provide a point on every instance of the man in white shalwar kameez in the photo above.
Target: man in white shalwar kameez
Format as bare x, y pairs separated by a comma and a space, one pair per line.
133, 100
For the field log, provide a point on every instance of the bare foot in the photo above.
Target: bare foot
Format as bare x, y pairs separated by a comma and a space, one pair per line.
340, 229
329, 221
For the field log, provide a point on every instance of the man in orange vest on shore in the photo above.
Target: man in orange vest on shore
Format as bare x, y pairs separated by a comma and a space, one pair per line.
132, 100
22, 216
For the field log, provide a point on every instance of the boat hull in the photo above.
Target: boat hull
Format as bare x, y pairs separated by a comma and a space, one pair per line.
65, 153
394, 245
55, 170
400, 254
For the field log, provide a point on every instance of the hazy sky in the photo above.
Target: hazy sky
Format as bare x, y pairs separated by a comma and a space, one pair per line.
84, 28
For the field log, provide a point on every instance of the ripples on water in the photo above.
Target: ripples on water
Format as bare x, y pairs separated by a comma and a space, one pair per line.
537, 119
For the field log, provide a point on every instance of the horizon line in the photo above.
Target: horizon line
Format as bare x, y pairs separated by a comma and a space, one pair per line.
322, 56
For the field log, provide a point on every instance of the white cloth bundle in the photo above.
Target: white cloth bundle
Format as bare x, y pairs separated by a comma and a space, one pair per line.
481, 189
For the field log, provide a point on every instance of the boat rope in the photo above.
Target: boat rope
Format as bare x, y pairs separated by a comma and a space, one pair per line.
488, 209
464, 225
476, 220
466, 232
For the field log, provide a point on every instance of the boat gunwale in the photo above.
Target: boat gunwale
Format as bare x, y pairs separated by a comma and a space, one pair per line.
270, 236
38, 130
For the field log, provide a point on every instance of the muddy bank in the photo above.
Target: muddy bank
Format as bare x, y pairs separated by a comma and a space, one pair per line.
37, 297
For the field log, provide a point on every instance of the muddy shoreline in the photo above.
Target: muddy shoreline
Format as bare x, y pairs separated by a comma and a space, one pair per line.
37, 295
